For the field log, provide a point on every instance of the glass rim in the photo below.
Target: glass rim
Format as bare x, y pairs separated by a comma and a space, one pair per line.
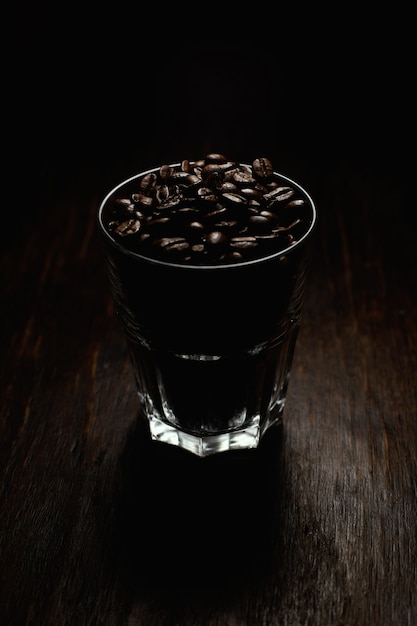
213, 266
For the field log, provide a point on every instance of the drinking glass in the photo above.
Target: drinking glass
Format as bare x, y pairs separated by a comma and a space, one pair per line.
211, 341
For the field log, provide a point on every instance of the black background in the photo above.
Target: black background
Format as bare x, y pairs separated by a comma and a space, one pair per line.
99, 94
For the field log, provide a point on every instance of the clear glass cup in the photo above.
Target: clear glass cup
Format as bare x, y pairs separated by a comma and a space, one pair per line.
211, 344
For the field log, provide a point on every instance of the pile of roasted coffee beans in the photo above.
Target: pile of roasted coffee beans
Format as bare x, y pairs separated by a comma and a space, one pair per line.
208, 212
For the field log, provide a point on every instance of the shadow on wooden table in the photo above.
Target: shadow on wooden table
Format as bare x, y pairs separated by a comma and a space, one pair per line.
189, 529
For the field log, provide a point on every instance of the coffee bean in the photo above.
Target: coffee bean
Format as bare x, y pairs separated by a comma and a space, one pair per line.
195, 231
279, 195
234, 199
251, 193
173, 244
206, 194
162, 193
142, 200
190, 182
215, 158
216, 238
197, 226
148, 182
295, 203
165, 172
227, 226
242, 175
243, 242
165, 242
262, 168
260, 221
270, 215
215, 168
123, 201
218, 213
127, 228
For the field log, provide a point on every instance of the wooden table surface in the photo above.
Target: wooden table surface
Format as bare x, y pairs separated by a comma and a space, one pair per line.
99, 526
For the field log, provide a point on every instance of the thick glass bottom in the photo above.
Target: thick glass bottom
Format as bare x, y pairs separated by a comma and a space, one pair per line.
209, 404
205, 445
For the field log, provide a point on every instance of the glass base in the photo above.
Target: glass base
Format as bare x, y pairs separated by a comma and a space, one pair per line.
205, 445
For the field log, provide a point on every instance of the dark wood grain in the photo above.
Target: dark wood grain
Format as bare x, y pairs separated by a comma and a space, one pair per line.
98, 526
318, 527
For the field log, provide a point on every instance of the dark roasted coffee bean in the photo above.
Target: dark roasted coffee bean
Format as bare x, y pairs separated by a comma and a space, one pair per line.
166, 172
228, 187
227, 226
164, 242
169, 203
234, 256
251, 193
220, 212
180, 177
148, 182
216, 239
241, 175
206, 194
279, 195
195, 230
173, 244
178, 246
260, 221
197, 226
162, 193
234, 199
142, 199
271, 185
123, 201
243, 242
270, 215
189, 184
295, 203
214, 157
214, 168
262, 168
214, 180
128, 228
